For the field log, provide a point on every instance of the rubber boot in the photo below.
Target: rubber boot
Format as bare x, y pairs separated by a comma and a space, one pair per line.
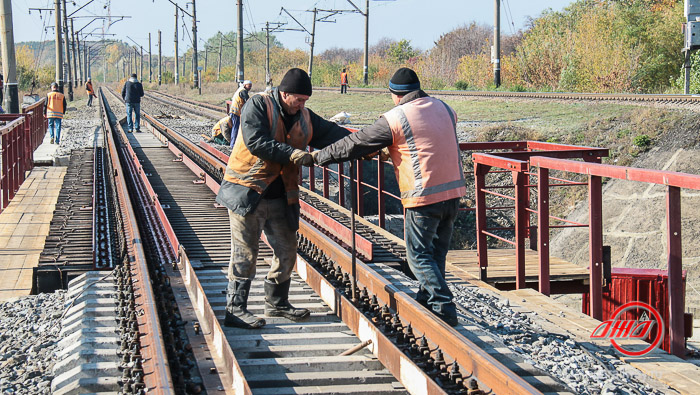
237, 314
277, 302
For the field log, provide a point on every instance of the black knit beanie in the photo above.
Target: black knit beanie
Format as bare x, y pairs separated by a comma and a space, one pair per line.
296, 81
404, 80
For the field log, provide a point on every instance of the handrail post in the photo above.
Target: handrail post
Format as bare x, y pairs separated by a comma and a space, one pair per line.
480, 172
381, 199
341, 184
521, 224
543, 228
312, 178
676, 290
595, 230
325, 182
360, 197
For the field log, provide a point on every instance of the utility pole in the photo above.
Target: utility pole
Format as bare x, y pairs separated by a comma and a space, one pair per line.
79, 59
59, 48
195, 60
365, 67
177, 60
160, 61
239, 61
75, 59
67, 41
311, 51
267, 53
221, 44
141, 64
150, 60
9, 63
497, 44
206, 58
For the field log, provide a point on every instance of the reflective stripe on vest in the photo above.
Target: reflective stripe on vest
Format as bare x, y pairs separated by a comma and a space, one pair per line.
54, 105
425, 152
253, 172
237, 102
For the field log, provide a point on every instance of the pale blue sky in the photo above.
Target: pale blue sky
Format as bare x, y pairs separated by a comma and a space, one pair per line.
422, 22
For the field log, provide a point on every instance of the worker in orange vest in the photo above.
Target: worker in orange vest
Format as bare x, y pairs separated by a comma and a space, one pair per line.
90, 91
343, 82
54, 110
421, 136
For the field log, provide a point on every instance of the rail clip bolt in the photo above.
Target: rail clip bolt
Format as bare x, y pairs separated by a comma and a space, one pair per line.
196, 328
474, 388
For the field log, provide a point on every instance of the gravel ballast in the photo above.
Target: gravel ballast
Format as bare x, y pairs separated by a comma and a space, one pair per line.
29, 333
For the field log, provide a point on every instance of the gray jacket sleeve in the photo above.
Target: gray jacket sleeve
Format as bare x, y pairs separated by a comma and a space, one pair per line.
258, 137
356, 145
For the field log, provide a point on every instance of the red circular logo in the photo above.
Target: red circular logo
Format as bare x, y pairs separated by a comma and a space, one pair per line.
618, 328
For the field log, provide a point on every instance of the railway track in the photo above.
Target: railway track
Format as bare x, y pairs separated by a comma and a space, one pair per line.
399, 346
647, 98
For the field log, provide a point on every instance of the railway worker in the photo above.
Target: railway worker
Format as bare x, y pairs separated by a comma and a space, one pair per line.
343, 82
422, 143
221, 132
90, 91
132, 92
237, 101
260, 190
53, 111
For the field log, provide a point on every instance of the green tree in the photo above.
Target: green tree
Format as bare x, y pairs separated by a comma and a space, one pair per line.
401, 51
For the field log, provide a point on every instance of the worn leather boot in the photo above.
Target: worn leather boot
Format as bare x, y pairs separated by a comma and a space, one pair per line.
277, 302
237, 314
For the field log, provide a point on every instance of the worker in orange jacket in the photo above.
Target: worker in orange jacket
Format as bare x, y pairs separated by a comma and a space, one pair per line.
54, 110
90, 91
343, 82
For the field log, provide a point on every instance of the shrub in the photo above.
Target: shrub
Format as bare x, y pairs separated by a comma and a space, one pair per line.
643, 142
462, 85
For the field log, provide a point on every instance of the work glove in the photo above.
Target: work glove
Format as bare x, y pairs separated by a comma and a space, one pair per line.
301, 158
384, 154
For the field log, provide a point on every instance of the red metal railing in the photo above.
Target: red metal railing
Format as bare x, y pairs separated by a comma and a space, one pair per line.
14, 147
21, 135
673, 182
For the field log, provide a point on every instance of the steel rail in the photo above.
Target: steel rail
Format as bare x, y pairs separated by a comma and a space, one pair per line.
156, 370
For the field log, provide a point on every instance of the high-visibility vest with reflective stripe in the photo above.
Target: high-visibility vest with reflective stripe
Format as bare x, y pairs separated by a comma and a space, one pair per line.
237, 102
222, 125
54, 105
344, 78
425, 152
88, 88
246, 169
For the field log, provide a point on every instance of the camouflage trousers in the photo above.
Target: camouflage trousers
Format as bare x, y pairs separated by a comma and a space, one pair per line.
269, 217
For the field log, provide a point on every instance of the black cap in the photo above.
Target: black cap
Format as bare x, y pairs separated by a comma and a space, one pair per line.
133, 75
296, 81
404, 80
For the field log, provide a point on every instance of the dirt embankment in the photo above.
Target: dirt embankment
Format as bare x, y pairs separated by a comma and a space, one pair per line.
634, 213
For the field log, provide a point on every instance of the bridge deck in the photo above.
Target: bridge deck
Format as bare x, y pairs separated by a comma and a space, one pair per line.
565, 277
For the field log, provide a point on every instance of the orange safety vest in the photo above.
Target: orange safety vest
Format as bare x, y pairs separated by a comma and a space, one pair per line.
425, 152
88, 88
222, 125
246, 169
237, 102
343, 78
54, 106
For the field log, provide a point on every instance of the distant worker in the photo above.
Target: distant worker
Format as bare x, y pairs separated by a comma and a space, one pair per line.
221, 132
2, 88
420, 133
132, 92
261, 191
90, 91
343, 82
237, 101
55, 108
